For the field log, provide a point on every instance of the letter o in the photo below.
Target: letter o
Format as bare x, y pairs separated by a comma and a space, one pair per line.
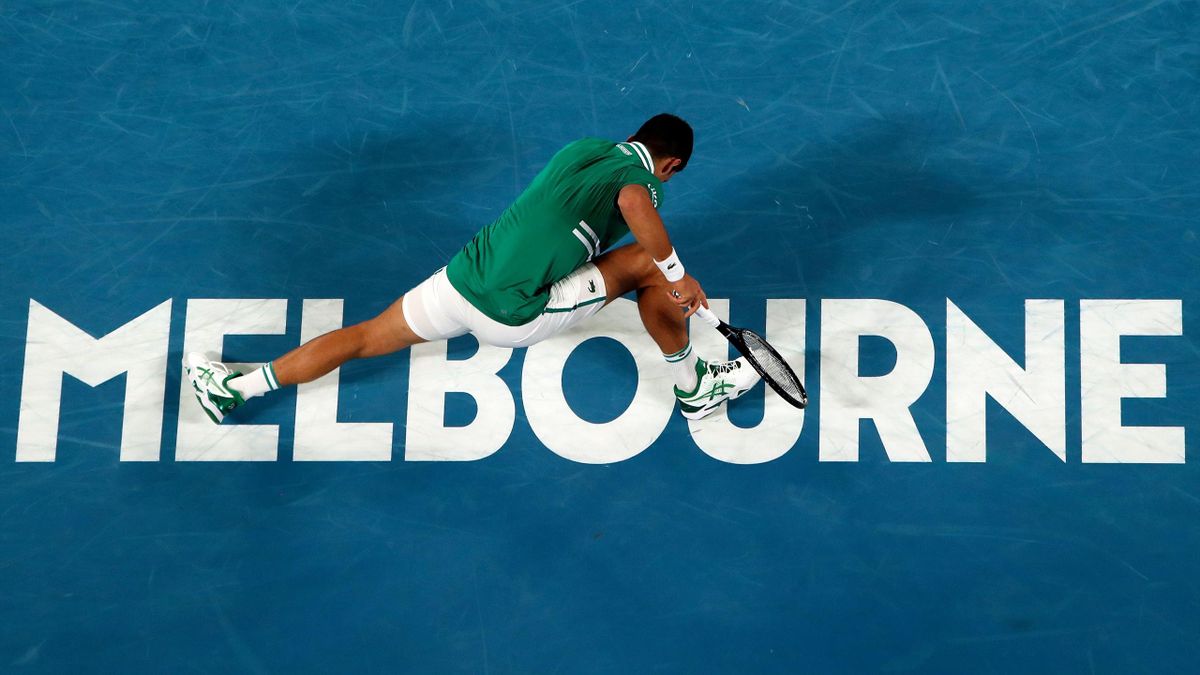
574, 438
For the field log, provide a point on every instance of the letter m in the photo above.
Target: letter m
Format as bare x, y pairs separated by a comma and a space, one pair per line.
55, 346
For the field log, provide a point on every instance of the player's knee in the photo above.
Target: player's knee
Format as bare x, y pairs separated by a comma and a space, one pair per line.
386, 333
372, 338
644, 267
628, 268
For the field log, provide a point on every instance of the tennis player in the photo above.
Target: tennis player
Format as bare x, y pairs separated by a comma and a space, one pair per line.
536, 271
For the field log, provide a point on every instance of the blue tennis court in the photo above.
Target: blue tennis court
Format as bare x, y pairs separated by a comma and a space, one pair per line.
971, 227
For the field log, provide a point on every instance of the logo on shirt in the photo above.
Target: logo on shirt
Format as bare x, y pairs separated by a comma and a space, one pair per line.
653, 194
591, 286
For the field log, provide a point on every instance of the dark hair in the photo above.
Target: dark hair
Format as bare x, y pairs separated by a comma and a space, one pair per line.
666, 135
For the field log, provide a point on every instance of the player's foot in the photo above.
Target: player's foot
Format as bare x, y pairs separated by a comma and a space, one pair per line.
210, 382
717, 382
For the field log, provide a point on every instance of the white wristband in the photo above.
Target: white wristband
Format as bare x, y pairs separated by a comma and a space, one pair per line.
671, 268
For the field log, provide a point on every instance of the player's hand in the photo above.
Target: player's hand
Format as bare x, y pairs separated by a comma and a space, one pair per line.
687, 294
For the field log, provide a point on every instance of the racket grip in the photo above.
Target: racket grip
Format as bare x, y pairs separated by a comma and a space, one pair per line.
706, 315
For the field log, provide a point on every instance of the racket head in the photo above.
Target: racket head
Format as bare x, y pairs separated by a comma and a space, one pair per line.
772, 367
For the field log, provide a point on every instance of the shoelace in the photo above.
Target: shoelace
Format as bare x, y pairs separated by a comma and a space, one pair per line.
722, 368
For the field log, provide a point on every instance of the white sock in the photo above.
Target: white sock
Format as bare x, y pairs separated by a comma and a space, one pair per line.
683, 367
256, 382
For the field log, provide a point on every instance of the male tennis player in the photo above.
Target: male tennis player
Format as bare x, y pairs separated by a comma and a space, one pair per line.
533, 273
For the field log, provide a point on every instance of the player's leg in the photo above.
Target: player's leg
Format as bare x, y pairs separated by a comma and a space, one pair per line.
701, 386
220, 390
431, 311
630, 269
386, 333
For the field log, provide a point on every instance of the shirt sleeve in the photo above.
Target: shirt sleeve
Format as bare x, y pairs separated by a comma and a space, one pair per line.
639, 176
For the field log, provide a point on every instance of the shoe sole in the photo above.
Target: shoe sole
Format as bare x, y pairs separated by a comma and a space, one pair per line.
705, 412
206, 410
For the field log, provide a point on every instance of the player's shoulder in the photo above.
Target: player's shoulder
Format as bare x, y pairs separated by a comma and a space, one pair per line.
626, 162
588, 146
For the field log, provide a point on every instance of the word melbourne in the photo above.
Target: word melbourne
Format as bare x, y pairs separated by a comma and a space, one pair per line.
976, 368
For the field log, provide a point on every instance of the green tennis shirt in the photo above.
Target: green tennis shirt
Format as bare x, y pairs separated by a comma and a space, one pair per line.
564, 219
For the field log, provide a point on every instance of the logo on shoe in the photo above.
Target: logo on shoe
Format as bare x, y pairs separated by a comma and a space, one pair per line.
718, 389
591, 286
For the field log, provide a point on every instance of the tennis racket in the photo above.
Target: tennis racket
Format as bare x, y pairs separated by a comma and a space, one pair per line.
762, 356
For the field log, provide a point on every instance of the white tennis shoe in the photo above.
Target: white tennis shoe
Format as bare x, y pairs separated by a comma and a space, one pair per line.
717, 382
210, 383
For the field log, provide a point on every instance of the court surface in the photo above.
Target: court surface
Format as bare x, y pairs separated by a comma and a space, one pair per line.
157, 155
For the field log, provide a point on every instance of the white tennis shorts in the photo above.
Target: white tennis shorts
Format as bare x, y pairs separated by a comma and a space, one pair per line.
436, 311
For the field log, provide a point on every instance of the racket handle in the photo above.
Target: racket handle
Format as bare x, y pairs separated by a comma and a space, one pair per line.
706, 315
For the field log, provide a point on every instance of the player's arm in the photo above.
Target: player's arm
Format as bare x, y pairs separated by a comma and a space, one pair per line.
647, 228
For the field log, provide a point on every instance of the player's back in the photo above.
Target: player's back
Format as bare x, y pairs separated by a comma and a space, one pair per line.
566, 217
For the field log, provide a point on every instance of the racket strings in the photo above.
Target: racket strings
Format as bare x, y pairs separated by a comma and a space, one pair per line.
773, 365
